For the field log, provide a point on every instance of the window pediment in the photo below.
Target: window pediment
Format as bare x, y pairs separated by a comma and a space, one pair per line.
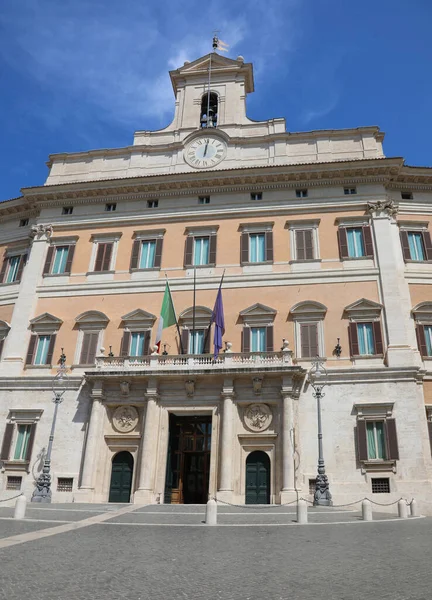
363, 309
202, 317
308, 309
378, 410
4, 329
45, 322
258, 314
423, 312
139, 319
92, 318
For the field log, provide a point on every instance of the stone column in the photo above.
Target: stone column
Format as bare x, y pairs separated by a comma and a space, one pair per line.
145, 492
290, 392
93, 443
398, 327
226, 447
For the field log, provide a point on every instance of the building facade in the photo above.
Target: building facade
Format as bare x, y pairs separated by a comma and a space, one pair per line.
325, 251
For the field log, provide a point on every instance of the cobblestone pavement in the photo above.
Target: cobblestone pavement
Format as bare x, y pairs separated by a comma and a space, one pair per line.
166, 552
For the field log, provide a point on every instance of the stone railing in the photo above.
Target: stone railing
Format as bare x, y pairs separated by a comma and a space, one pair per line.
187, 362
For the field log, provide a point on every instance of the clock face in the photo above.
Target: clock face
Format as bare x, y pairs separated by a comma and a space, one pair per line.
205, 152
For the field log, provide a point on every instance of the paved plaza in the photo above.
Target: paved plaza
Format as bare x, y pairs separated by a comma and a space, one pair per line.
116, 552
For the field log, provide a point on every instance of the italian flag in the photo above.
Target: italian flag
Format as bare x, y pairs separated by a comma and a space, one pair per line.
167, 315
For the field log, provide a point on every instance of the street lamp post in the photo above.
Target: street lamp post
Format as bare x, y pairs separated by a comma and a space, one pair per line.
317, 379
42, 492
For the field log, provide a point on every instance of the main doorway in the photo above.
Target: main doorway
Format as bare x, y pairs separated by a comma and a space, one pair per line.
188, 462
121, 477
258, 478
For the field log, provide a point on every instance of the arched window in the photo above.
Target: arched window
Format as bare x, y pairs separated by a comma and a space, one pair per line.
209, 110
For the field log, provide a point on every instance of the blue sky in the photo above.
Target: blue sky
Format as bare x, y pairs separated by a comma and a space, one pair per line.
84, 74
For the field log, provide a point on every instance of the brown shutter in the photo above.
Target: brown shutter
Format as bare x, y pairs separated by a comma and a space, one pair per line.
378, 337
124, 348
188, 251
246, 339
269, 246
3, 269
367, 237
158, 253
106, 263
309, 250
207, 335
244, 248
30, 442
48, 260
1, 346
269, 338
146, 348
353, 339
85, 348
22, 262
31, 349
136, 246
185, 340
99, 257
71, 252
309, 340
343, 243
429, 423
421, 340
212, 253
92, 349
427, 244
362, 440
391, 435
51, 349
7, 440
405, 244
300, 244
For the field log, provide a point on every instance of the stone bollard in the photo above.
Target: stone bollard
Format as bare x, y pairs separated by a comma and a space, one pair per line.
366, 510
20, 507
402, 509
302, 515
211, 513
414, 508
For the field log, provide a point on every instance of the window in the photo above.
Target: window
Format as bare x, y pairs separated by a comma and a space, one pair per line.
375, 440
204, 200
195, 334
110, 207
355, 242
12, 273
103, 256
350, 191
67, 210
304, 244
13, 483
138, 343
64, 484
380, 485
18, 441
416, 244
147, 257
89, 346
200, 247
308, 317
302, 193
407, 195
256, 196
209, 110
23, 222
12, 268
365, 339
152, 203
59, 259
42, 340
257, 247
256, 244
22, 440
147, 250
309, 340
376, 434
42, 347
257, 334
201, 251
196, 341
258, 339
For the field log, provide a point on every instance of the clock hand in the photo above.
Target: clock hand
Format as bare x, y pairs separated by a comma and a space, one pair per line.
205, 149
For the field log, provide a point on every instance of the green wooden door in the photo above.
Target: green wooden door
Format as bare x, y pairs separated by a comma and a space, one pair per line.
121, 477
258, 478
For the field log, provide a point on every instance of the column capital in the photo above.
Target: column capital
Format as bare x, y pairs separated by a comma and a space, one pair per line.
41, 232
228, 394
97, 392
383, 209
152, 396
290, 393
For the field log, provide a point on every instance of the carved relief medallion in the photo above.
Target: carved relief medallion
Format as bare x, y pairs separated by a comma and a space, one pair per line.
258, 417
125, 418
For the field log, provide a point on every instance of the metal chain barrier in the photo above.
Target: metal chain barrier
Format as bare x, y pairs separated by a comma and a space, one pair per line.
251, 506
13, 498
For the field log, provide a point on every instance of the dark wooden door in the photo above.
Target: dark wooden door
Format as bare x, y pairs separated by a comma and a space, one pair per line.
258, 478
121, 477
196, 477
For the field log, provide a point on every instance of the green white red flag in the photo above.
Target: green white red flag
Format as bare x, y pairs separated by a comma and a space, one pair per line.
167, 315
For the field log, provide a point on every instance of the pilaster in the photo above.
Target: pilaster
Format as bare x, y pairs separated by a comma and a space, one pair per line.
226, 450
289, 395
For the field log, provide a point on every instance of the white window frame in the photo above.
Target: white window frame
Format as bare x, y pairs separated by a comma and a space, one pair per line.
20, 416
201, 264
89, 322
97, 239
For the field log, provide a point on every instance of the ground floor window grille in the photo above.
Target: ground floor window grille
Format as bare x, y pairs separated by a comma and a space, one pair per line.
13, 483
64, 484
381, 485
312, 486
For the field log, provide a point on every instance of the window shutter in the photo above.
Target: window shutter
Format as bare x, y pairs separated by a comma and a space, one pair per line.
71, 252
106, 263
300, 244
31, 349
30, 442
421, 340
188, 251
22, 262
136, 246
185, 340
3, 269
207, 336
99, 257
7, 440
158, 253
309, 340
1, 346
429, 423
269, 338
405, 244
362, 440
378, 337
343, 243
244, 248
212, 252
48, 260
392, 443
427, 244
85, 348
92, 349
353, 339
367, 237
124, 348
246, 339
309, 250
51, 349
146, 348
269, 245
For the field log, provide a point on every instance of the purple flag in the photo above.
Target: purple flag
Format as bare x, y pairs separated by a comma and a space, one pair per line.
219, 321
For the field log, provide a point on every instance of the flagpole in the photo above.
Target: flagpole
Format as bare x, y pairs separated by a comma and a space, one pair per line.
193, 313
175, 315
211, 320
